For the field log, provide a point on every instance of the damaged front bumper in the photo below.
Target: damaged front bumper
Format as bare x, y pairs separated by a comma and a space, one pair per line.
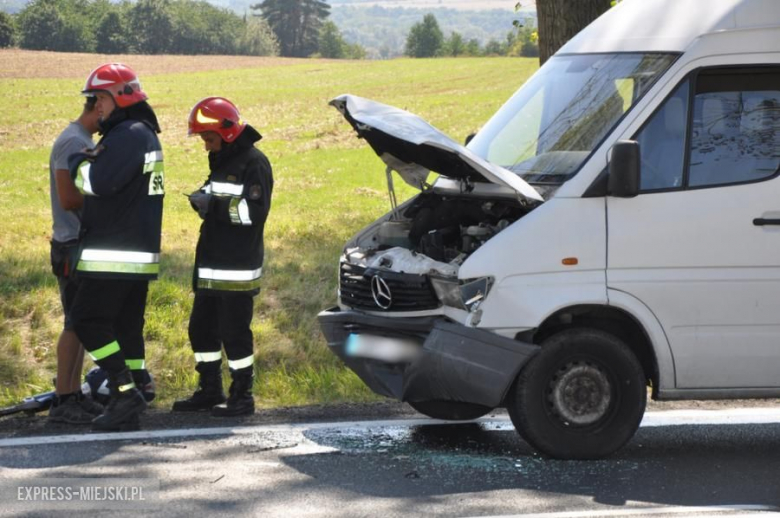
425, 358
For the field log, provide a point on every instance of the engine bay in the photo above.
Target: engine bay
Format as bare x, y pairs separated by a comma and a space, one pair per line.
432, 233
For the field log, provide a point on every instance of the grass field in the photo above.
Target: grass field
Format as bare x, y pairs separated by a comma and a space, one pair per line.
328, 185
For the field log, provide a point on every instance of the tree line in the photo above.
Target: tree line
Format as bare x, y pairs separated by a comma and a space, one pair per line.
176, 27
298, 28
426, 40
142, 27
383, 30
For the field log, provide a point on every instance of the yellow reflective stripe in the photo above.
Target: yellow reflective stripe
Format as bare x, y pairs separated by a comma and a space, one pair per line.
235, 219
230, 275
242, 363
110, 267
153, 156
125, 388
82, 181
118, 261
154, 167
208, 284
119, 256
234, 189
135, 365
105, 351
153, 162
243, 213
86, 186
208, 357
238, 210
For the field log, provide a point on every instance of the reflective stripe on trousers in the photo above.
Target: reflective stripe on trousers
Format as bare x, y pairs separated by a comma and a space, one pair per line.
135, 365
105, 351
242, 363
208, 357
117, 261
229, 280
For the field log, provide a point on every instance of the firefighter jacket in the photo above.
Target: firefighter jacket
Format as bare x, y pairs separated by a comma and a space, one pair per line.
229, 255
122, 183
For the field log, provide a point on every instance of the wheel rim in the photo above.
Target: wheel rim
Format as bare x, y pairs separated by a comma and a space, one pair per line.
580, 393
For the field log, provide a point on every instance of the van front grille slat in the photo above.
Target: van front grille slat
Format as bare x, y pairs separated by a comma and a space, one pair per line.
410, 292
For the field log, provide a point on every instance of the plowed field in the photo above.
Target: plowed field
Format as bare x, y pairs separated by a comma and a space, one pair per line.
28, 64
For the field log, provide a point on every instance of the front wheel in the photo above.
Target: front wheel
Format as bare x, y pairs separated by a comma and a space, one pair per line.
450, 410
581, 397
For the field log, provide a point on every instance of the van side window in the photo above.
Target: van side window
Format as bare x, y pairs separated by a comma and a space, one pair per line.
662, 143
735, 135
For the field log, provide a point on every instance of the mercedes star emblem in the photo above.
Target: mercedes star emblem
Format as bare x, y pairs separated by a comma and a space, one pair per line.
381, 292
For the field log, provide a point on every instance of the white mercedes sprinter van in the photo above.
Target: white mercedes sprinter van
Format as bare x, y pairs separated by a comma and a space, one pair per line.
614, 226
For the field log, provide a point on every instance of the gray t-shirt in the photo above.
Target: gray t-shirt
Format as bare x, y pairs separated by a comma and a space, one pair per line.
73, 139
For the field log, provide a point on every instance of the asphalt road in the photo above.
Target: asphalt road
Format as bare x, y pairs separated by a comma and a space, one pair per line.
681, 463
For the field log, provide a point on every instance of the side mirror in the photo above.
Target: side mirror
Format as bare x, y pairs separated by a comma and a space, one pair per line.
624, 169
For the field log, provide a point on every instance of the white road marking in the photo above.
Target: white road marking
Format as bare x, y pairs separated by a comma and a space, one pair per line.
732, 510
732, 416
716, 417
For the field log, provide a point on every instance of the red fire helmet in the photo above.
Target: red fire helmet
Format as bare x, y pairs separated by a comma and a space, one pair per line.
117, 79
216, 114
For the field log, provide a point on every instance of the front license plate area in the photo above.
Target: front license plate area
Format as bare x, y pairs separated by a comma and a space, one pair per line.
382, 348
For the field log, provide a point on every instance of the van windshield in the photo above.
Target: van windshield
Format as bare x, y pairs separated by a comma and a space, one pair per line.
550, 126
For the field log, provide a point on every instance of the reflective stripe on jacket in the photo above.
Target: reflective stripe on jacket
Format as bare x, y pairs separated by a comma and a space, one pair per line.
123, 187
229, 256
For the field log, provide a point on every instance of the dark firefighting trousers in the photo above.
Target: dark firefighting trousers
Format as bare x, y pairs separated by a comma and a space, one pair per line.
108, 318
218, 320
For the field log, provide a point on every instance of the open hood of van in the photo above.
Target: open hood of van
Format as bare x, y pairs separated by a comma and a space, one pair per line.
413, 148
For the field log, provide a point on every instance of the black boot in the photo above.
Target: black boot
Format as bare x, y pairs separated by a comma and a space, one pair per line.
209, 392
124, 407
144, 382
240, 400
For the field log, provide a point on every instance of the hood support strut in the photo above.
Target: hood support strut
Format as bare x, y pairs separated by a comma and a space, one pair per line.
391, 191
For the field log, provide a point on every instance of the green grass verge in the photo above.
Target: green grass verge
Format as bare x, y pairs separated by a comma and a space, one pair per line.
329, 184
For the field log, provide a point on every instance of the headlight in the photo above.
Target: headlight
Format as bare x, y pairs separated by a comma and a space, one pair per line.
467, 294
448, 292
474, 291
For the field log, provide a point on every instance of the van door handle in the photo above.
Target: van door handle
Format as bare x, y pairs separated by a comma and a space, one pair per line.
760, 222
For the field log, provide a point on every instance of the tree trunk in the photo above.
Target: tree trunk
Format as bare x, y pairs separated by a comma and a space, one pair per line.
560, 20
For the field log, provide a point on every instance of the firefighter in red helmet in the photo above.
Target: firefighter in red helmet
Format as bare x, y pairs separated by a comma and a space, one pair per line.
234, 204
122, 183
117, 80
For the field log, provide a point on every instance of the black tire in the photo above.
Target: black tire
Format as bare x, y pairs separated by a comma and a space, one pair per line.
581, 397
450, 410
